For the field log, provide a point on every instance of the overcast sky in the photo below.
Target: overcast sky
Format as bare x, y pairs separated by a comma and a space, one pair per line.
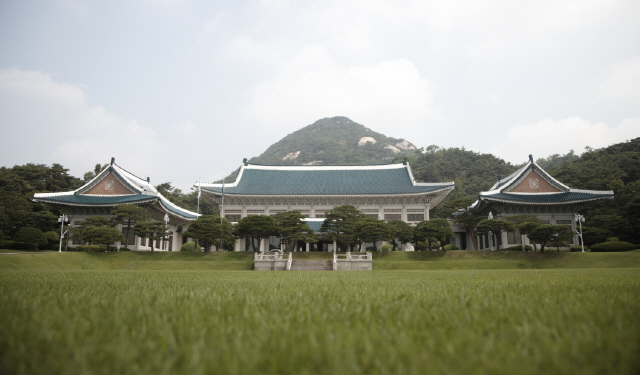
182, 90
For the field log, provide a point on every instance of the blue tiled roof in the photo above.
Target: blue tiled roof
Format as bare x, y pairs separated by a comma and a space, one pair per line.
175, 209
314, 224
553, 198
327, 181
143, 192
95, 200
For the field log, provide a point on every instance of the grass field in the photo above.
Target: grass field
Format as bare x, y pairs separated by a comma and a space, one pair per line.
396, 260
122, 321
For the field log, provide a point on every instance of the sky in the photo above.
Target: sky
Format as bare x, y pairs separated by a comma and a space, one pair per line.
182, 91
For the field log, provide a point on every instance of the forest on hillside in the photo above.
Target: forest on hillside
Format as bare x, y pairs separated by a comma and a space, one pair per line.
616, 168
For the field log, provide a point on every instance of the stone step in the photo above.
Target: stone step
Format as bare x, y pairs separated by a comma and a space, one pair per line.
312, 265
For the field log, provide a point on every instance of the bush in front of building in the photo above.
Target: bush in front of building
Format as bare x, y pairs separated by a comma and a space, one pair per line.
612, 246
386, 247
190, 246
92, 248
519, 248
451, 247
578, 248
30, 236
14, 245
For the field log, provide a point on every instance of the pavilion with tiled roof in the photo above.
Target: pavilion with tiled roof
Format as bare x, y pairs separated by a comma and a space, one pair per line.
531, 190
112, 186
386, 191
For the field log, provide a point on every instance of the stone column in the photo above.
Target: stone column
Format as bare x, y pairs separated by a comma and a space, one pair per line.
264, 247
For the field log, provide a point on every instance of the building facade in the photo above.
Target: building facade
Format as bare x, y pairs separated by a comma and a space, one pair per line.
113, 186
530, 190
387, 192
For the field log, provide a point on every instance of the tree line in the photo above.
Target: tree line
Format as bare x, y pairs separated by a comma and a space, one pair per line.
616, 168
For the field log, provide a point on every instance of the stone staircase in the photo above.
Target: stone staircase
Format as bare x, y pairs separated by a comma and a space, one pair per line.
311, 265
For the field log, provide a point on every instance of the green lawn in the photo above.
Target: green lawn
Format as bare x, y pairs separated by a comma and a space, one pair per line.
502, 259
554, 321
388, 260
129, 260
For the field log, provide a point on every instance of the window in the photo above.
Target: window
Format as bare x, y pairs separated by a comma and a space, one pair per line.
373, 216
392, 217
415, 217
131, 237
563, 222
143, 241
234, 218
514, 238
320, 214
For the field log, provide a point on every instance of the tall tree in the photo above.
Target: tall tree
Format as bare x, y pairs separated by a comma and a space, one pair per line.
30, 235
544, 234
256, 227
129, 214
458, 211
206, 229
437, 228
102, 235
373, 230
404, 232
340, 224
292, 227
153, 230
88, 176
495, 227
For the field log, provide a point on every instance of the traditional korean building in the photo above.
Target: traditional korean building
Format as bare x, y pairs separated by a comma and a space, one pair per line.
113, 186
387, 192
531, 190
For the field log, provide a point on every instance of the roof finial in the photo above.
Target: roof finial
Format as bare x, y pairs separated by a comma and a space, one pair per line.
499, 177
531, 158
148, 180
405, 161
113, 160
244, 161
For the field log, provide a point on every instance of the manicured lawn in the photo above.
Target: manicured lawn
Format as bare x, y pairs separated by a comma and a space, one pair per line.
502, 259
387, 260
119, 321
131, 260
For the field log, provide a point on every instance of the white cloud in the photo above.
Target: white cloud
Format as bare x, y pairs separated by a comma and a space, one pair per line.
620, 85
547, 137
45, 121
390, 97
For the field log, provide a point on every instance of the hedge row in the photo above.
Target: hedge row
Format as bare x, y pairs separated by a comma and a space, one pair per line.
613, 246
13, 245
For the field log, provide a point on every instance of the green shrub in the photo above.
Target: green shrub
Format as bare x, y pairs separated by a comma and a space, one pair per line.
519, 248
14, 245
91, 248
578, 248
386, 247
30, 236
605, 247
451, 247
190, 246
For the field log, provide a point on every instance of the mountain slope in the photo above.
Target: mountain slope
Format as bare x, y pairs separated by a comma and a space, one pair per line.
334, 141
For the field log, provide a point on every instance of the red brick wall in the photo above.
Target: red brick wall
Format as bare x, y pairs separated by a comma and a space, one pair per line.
102, 187
525, 186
